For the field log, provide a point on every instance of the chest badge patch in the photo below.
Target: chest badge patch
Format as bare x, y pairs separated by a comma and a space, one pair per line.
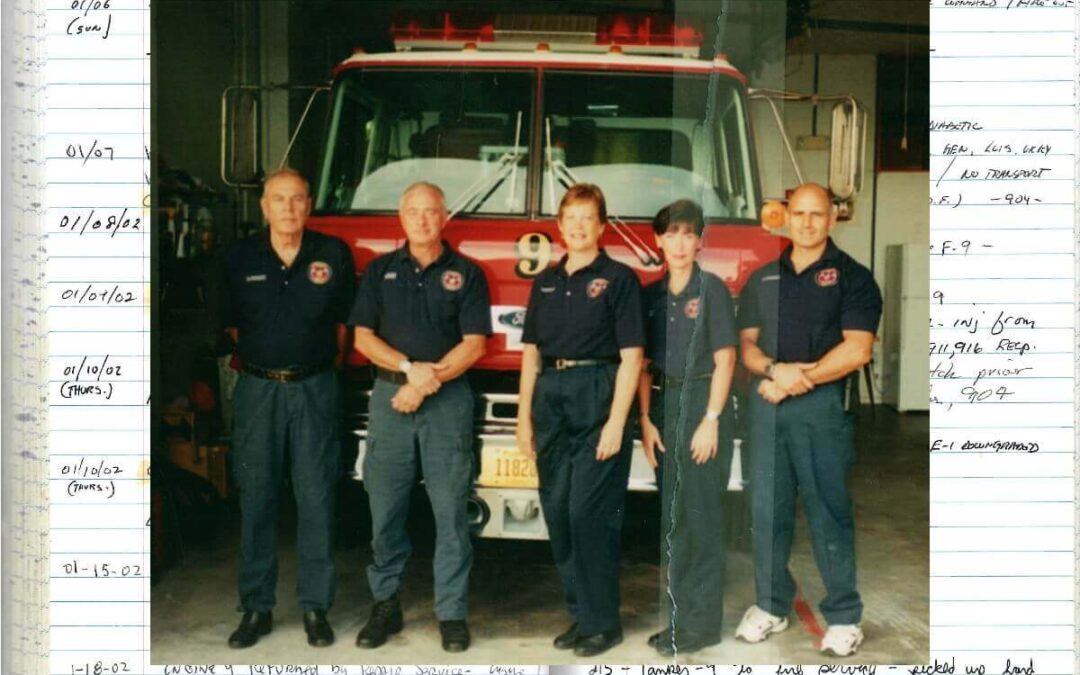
692, 308
318, 273
597, 287
827, 277
452, 280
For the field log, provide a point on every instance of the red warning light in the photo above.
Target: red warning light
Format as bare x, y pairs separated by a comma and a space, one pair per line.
447, 27
646, 30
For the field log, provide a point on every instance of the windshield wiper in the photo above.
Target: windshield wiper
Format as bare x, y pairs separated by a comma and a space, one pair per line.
558, 171
485, 186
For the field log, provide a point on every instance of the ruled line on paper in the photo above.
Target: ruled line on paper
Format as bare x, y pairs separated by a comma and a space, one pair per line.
97, 172
1002, 332
1076, 367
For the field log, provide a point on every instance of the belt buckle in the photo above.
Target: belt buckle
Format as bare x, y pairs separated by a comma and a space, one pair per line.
280, 376
563, 364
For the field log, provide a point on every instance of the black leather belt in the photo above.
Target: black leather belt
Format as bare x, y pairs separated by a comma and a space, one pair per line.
391, 376
286, 374
563, 364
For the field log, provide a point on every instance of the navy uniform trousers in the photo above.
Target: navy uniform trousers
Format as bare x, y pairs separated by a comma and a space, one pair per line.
692, 536
583, 499
442, 430
303, 419
804, 446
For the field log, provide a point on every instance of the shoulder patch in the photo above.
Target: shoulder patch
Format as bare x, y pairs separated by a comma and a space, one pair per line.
827, 277
597, 287
319, 272
452, 280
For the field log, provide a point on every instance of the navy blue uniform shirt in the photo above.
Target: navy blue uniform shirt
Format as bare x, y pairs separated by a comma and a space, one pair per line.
423, 312
288, 316
591, 314
801, 316
684, 331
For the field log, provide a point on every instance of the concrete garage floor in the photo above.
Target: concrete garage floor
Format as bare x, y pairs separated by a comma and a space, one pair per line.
516, 599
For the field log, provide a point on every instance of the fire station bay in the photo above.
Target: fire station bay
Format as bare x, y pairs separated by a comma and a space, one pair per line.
540, 332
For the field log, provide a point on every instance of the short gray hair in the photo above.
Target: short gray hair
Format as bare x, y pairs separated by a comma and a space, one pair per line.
282, 173
422, 184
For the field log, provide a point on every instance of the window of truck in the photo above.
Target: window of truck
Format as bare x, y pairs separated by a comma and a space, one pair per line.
644, 139
466, 131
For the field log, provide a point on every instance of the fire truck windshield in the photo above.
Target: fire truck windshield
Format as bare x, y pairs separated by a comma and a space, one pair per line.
646, 138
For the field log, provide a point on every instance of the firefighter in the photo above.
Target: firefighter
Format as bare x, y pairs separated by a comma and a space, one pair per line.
807, 320
422, 316
582, 355
287, 296
690, 338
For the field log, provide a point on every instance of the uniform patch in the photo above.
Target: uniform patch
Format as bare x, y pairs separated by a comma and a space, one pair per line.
692, 308
827, 277
389, 276
547, 289
318, 272
596, 287
451, 280
255, 277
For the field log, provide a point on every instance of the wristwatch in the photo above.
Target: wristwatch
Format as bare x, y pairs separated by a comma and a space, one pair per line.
712, 415
405, 366
769, 368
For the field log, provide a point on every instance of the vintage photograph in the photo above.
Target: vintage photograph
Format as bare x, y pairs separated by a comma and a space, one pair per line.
540, 332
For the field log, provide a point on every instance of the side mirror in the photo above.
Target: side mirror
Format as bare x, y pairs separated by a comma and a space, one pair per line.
241, 163
847, 150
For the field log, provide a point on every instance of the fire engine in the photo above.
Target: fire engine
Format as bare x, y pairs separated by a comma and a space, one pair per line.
504, 113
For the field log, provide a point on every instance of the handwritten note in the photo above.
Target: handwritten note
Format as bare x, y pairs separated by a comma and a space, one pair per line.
97, 239
1002, 489
1002, 351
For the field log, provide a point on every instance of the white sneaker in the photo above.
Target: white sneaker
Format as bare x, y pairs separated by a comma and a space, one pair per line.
842, 640
757, 624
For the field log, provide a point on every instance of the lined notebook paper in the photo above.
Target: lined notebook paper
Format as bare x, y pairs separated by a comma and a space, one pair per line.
98, 242
1002, 490
1003, 189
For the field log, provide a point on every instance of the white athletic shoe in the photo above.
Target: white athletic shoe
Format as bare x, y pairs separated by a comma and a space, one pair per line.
842, 640
757, 624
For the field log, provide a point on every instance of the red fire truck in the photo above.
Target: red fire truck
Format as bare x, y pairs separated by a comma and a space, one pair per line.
505, 114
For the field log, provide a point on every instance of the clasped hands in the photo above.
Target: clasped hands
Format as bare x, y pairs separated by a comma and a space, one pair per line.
789, 379
421, 381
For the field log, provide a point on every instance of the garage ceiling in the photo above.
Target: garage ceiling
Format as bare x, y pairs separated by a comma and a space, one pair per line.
859, 27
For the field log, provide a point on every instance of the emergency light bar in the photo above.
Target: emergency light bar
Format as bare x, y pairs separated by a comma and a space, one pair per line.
620, 33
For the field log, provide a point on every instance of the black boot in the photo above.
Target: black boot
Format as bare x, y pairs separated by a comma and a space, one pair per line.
319, 632
591, 645
455, 635
655, 638
567, 638
253, 626
385, 620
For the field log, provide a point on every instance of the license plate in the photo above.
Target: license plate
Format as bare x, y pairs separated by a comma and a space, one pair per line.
506, 467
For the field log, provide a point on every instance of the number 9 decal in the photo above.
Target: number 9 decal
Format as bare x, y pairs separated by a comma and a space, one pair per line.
533, 254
